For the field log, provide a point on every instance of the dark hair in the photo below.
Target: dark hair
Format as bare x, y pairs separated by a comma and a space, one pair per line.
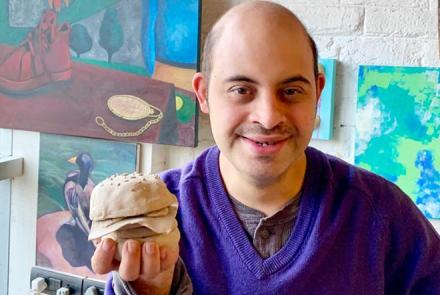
315, 54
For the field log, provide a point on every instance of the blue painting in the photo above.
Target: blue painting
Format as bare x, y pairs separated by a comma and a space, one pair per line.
69, 169
324, 122
398, 130
171, 30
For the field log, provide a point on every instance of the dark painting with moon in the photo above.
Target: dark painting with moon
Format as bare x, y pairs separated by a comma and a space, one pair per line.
69, 169
111, 69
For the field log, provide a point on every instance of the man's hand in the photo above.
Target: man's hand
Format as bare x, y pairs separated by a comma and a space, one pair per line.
148, 267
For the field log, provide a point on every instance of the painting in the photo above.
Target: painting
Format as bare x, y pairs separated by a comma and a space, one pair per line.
398, 130
324, 119
69, 169
109, 69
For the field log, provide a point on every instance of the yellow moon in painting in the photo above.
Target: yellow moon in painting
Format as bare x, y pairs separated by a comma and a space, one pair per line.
179, 102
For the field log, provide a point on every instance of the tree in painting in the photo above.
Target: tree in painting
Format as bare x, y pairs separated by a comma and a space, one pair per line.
111, 36
80, 40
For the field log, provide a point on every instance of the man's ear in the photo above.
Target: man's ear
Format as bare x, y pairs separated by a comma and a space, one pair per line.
200, 86
320, 83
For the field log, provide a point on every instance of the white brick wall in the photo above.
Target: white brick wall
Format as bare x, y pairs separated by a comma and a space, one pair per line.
397, 3
331, 21
400, 22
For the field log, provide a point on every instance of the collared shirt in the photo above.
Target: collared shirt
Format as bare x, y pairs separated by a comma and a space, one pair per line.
268, 233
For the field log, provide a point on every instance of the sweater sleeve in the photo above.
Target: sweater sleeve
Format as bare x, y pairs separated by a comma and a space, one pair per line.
181, 283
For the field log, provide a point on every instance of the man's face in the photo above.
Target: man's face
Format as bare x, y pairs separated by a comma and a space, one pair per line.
262, 97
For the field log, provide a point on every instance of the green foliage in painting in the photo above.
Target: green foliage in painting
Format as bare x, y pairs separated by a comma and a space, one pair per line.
80, 40
111, 36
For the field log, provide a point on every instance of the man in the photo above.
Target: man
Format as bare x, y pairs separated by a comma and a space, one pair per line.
262, 213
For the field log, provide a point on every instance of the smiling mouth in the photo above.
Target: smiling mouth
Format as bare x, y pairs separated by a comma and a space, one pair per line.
266, 143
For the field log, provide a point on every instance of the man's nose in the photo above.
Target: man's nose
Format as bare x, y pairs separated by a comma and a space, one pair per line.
268, 110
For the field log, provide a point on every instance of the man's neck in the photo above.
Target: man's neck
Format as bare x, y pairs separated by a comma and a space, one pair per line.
269, 197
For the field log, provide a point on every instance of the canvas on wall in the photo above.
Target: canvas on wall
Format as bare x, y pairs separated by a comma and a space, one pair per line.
69, 169
398, 130
109, 69
324, 122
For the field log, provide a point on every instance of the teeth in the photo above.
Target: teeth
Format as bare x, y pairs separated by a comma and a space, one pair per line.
263, 143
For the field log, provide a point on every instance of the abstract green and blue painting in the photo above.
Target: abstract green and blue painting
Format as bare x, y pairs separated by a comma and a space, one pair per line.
398, 128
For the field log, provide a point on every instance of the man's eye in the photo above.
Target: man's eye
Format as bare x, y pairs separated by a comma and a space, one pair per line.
241, 90
291, 91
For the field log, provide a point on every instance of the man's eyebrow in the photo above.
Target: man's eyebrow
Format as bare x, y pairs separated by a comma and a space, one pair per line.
297, 78
240, 78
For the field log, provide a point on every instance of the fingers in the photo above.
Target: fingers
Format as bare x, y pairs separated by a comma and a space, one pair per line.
157, 269
102, 259
147, 260
129, 268
151, 260
168, 258
156, 260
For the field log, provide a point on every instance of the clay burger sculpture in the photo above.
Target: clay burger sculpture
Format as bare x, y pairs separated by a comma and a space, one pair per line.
134, 206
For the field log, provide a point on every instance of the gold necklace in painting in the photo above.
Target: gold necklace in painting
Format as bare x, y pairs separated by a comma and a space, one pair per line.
130, 107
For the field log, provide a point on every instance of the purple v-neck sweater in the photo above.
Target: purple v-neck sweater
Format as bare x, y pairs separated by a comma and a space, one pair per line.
355, 233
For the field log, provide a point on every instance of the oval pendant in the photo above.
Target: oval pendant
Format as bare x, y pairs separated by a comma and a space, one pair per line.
129, 107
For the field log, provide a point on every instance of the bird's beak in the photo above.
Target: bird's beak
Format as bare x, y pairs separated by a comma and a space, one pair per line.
72, 160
